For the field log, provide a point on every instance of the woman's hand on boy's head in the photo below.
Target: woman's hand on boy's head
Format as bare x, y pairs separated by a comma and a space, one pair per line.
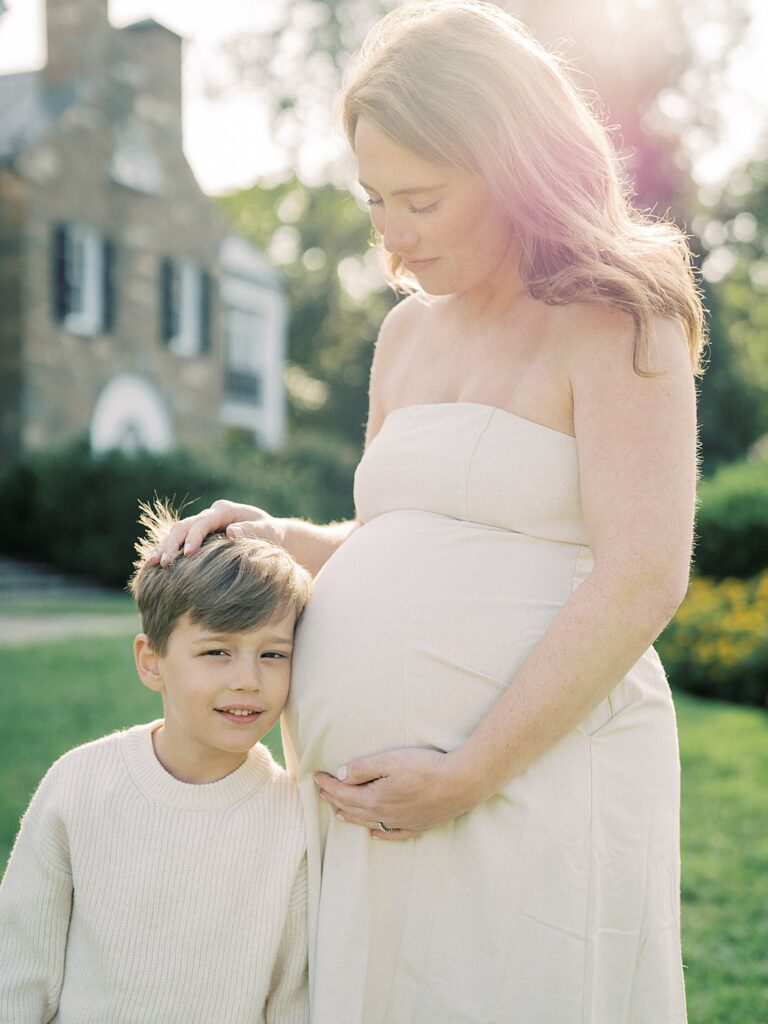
237, 520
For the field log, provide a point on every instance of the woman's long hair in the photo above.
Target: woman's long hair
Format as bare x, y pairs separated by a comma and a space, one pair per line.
461, 83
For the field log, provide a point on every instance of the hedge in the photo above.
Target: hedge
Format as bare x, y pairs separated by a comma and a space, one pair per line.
79, 512
732, 521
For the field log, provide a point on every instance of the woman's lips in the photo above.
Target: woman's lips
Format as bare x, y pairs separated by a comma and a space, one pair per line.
416, 265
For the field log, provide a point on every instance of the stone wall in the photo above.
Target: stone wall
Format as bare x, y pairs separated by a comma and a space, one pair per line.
69, 177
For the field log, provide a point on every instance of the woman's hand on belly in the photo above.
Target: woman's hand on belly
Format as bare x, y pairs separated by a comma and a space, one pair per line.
408, 791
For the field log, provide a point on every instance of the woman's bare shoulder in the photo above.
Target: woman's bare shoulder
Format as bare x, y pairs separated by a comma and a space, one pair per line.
391, 357
405, 317
602, 339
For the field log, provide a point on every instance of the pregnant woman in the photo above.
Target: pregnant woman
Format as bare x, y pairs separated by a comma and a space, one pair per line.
481, 730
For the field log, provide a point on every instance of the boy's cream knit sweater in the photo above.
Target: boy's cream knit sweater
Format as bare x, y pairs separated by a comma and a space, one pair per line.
133, 897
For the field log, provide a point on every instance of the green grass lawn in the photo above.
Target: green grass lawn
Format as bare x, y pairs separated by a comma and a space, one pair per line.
94, 604
724, 754
55, 696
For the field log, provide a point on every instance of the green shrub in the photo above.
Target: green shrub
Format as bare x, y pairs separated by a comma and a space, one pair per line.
79, 512
311, 477
732, 521
717, 643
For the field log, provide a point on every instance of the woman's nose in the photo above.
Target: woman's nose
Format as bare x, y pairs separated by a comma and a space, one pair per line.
396, 236
399, 243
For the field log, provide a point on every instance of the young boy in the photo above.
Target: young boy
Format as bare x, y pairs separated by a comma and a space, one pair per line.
159, 875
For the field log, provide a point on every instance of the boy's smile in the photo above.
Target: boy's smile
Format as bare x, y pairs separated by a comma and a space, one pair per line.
240, 713
222, 692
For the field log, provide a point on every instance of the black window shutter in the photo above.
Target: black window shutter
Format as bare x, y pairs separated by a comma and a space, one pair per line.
205, 311
108, 285
166, 300
59, 283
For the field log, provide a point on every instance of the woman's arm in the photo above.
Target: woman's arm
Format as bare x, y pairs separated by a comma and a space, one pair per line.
311, 545
637, 456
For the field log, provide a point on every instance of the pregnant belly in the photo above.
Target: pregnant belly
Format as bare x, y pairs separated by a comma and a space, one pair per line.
415, 626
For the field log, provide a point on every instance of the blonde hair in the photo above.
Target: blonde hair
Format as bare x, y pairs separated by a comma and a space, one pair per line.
229, 585
464, 84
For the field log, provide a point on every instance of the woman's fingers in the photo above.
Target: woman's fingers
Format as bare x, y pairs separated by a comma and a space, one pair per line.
208, 521
189, 533
170, 544
413, 789
264, 527
393, 835
352, 802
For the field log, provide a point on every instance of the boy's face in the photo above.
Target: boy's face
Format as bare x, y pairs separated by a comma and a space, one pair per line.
221, 693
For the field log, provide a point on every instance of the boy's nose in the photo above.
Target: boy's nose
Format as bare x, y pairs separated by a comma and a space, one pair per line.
246, 677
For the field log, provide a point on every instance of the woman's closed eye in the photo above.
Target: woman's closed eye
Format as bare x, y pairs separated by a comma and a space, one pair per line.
424, 209
370, 201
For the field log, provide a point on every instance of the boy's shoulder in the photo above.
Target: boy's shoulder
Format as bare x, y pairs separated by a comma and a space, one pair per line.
94, 757
275, 777
276, 786
275, 812
103, 747
78, 785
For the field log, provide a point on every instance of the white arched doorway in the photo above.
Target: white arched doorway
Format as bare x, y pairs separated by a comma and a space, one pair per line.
130, 415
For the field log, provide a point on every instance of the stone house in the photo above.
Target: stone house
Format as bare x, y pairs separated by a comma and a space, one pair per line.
129, 311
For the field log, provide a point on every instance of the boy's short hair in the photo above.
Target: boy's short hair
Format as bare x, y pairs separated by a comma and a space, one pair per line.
228, 585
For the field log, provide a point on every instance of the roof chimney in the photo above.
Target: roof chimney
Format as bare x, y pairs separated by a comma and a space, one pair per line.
78, 34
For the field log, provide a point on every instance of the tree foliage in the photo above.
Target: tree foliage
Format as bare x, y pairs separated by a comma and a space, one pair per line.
626, 54
738, 265
645, 61
336, 292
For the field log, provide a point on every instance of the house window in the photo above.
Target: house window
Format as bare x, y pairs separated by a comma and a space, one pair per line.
83, 279
135, 162
185, 307
246, 353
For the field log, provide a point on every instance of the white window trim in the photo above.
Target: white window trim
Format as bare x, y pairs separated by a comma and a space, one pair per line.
135, 163
89, 319
251, 359
188, 341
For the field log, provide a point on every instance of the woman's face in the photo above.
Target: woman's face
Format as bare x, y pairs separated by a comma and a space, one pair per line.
443, 222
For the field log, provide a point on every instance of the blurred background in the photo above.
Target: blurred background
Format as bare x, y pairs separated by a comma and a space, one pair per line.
188, 305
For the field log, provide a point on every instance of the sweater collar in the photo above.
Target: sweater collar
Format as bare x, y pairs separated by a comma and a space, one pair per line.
153, 780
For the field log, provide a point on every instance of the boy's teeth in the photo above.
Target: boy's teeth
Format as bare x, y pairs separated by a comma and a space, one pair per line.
238, 711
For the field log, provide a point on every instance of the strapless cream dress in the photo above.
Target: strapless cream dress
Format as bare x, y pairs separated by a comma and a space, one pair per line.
557, 901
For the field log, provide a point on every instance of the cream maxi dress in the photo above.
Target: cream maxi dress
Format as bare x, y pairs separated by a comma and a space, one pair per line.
557, 901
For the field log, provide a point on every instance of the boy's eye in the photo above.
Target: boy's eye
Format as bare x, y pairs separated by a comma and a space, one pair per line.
215, 653
275, 655
373, 202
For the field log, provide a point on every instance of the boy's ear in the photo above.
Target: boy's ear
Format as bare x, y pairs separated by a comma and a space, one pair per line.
147, 663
